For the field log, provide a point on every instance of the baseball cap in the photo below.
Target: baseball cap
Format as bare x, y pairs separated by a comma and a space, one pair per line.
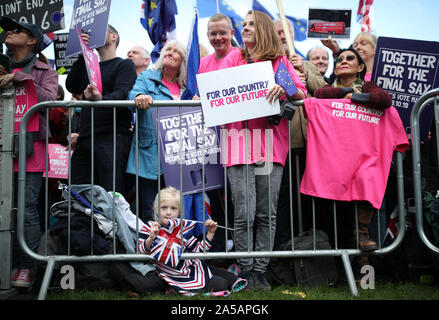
10, 24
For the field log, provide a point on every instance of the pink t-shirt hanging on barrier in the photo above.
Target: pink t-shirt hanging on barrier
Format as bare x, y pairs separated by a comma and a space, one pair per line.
349, 150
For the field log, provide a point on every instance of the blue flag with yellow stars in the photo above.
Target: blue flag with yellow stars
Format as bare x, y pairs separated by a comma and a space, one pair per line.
284, 79
159, 20
207, 8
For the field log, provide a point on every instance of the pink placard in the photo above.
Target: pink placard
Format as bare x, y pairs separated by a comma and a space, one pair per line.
59, 161
25, 98
91, 63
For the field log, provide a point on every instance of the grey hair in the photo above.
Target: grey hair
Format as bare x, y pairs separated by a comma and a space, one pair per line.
317, 47
182, 74
289, 23
145, 54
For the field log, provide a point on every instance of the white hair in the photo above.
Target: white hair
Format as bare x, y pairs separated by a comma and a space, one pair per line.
182, 74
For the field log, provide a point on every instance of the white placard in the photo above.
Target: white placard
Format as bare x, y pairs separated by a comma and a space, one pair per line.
237, 94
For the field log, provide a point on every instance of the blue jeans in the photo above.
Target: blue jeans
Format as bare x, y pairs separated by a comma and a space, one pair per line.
21, 260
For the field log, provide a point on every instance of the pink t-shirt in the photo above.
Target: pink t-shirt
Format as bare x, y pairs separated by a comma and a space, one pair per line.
174, 88
210, 63
368, 76
257, 129
349, 150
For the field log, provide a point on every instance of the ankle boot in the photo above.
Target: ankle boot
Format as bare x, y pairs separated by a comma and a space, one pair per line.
364, 218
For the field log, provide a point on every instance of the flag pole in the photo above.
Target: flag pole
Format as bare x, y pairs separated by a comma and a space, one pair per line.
217, 6
285, 26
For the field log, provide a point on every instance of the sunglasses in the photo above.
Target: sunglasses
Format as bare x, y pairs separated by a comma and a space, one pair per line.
18, 30
348, 58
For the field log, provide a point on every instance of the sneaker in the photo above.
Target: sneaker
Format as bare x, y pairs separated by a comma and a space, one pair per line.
261, 281
248, 275
233, 268
14, 274
23, 279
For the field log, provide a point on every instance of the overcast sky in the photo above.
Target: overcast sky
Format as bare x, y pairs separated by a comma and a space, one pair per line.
391, 18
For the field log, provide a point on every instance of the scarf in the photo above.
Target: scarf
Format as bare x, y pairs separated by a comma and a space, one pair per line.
22, 63
357, 84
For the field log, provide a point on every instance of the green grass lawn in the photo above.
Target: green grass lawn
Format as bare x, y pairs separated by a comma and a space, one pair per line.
383, 291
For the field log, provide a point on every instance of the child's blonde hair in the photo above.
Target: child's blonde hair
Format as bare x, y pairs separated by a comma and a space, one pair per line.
168, 193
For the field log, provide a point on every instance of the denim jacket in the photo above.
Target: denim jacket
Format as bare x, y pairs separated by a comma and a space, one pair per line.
148, 82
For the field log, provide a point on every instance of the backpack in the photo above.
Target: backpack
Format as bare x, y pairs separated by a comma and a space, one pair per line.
310, 272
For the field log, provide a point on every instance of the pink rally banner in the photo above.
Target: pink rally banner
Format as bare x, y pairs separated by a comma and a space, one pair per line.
25, 98
91, 63
59, 161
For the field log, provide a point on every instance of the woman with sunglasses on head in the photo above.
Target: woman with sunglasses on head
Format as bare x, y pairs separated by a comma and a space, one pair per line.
349, 70
29, 67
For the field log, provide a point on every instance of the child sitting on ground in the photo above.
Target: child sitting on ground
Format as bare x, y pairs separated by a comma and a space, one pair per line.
166, 241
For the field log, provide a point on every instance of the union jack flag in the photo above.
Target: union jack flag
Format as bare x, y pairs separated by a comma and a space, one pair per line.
167, 246
363, 16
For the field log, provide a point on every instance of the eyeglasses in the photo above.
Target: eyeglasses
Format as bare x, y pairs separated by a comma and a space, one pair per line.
348, 58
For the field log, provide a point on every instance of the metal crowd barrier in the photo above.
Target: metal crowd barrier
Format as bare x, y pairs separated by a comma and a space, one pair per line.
426, 99
344, 254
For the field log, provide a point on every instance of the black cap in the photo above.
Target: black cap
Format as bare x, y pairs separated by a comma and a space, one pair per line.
10, 24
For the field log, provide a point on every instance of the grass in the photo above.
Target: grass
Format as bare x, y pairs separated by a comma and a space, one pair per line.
383, 291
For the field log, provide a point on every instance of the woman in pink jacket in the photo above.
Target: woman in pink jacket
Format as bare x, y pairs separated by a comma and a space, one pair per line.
29, 69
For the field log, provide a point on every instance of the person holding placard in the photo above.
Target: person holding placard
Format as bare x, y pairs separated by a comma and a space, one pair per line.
35, 80
165, 81
118, 76
255, 202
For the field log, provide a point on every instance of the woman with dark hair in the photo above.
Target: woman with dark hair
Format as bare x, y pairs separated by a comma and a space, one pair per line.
25, 42
349, 83
259, 163
349, 71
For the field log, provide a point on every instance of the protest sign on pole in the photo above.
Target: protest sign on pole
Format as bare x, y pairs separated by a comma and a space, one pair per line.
48, 15
407, 69
237, 94
63, 65
91, 60
183, 139
92, 17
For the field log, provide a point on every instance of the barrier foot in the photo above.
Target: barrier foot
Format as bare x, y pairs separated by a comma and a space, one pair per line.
46, 279
349, 273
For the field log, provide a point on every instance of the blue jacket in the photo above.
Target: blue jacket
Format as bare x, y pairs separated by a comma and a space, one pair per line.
148, 82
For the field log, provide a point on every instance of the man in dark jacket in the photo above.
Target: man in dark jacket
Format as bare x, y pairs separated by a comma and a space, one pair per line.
118, 76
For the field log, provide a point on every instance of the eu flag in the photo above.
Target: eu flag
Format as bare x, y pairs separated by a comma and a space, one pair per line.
207, 8
299, 28
259, 7
193, 60
159, 21
284, 79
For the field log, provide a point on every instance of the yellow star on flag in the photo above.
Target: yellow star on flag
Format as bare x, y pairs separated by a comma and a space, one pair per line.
153, 5
150, 21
